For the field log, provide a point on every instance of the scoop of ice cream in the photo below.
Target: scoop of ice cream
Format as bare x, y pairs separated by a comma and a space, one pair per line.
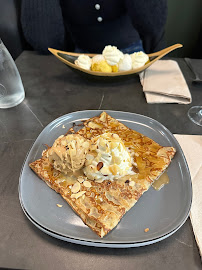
68, 153
139, 59
84, 61
108, 158
112, 55
125, 63
98, 58
100, 64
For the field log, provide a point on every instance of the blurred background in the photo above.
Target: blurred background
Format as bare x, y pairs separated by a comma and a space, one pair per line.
184, 25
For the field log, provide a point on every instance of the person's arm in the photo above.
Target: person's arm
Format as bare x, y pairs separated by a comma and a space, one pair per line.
149, 19
42, 24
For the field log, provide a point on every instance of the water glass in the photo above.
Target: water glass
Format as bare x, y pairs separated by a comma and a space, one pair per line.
11, 88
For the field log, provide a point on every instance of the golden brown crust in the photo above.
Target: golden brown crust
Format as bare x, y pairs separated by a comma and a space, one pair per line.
102, 205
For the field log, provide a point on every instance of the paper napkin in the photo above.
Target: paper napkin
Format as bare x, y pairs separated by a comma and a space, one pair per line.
192, 148
163, 82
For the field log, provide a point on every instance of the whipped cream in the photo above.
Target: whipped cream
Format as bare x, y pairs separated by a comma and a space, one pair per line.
125, 63
139, 59
112, 55
84, 61
108, 158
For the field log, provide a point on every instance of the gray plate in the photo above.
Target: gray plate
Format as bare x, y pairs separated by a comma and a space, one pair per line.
163, 212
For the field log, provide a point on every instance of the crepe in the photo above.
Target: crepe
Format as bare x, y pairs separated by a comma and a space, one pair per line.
102, 204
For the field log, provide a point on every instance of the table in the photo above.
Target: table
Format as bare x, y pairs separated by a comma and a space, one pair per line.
52, 90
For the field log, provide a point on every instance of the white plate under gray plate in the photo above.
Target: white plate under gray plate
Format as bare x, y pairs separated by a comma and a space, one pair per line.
163, 212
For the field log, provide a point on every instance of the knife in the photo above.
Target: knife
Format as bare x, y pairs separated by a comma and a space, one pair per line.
190, 65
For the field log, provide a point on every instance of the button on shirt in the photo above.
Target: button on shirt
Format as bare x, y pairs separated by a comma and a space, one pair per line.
97, 7
99, 19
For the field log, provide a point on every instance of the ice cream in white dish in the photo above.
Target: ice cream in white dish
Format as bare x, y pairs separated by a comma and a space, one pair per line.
125, 63
139, 59
84, 61
108, 158
98, 58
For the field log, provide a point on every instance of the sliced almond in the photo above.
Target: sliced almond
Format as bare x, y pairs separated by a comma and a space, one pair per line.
131, 183
103, 117
80, 179
114, 145
76, 187
117, 160
77, 195
59, 205
89, 157
99, 181
114, 169
95, 125
87, 184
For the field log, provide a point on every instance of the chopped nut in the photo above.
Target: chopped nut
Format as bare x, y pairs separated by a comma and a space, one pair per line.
63, 126
87, 184
99, 165
59, 205
146, 230
76, 187
135, 169
77, 195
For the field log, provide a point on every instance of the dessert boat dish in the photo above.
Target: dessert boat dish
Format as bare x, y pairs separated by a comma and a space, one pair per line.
116, 165
104, 70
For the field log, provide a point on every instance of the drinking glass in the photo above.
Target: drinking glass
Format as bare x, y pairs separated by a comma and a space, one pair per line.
195, 115
11, 88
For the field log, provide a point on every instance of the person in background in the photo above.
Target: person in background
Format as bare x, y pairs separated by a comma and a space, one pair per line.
88, 26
